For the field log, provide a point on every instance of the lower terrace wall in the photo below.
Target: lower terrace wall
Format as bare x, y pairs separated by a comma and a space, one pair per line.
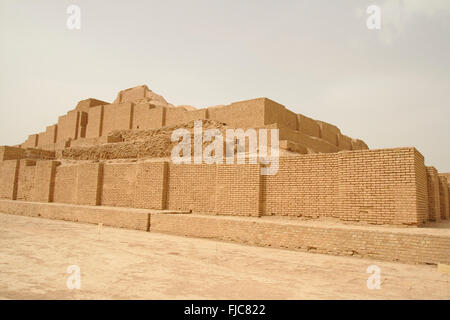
387, 186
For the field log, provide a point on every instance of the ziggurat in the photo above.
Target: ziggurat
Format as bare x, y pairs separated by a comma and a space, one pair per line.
108, 163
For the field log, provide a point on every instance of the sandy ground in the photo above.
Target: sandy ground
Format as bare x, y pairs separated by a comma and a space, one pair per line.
125, 264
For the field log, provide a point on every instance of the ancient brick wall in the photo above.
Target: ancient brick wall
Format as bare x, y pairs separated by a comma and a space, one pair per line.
242, 114
147, 116
68, 126
191, 187
367, 242
329, 132
9, 171
65, 190
25, 182
31, 142
379, 186
151, 185
277, 113
89, 183
44, 181
116, 117
11, 153
118, 184
421, 185
388, 186
49, 137
304, 186
444, 197
434, 205
95, 122
310, 142
235, 185
344, 142
308, 126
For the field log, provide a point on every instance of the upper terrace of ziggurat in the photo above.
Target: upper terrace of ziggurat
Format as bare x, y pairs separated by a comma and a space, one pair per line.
102, 155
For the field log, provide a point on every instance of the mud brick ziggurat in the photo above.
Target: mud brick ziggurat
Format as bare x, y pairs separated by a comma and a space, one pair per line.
109, 163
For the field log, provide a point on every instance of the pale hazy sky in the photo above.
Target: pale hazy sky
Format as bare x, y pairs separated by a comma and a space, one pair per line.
389, 87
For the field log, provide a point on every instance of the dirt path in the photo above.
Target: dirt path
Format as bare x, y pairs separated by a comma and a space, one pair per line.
123, 264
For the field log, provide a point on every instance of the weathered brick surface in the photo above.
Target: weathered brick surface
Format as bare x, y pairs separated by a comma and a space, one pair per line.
434, 202
65, 190
329, 132
128, 218
277, 113
379, 186
89, 180
49, 136
444, 197
399, 245
95, 122
9, 172
235, 185
304, 186
118, 185
308, 126
117, 116
11, 153
25, 182
387, 186
191, 187
151, 185
44, 181
68, 126
175, 116
31, 142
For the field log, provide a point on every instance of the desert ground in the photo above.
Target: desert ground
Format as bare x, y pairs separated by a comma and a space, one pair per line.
124, 264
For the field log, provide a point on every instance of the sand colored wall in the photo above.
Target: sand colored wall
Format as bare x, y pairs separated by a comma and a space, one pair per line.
387, 186
235, 185
95, 122
344, 142
309, 142
48, 137
308, 126
175, 116
329, 132
359, 145
44, 181
131, 94
367, 242
444, 197
89, 183
9, 171
434, 205
11, 153
31, 142
94, 118
242, 114
25, 184
68, 126
118, 184
117, 117
65, 190
382, 186
277, 113
151, 185
304, 186
191, 187
147, 116
417, 245
129, 218
85, 105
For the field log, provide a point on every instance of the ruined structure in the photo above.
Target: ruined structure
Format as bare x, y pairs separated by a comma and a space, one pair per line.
323, 174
